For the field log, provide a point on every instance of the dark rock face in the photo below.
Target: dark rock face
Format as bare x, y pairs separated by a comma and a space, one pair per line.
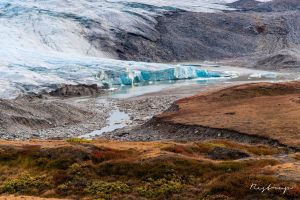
78, 90
220, 153
272, 6
245, 5
254, 29
206, 36
279, 60
279, 6
193, 36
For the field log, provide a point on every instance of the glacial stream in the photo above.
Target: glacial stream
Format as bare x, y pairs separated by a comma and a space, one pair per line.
116, 120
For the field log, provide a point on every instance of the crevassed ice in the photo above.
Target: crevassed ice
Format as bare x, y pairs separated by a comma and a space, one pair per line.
43, 42
48, 70
131, 76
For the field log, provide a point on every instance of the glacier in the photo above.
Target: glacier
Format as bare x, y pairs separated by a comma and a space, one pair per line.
45, 72
46, 42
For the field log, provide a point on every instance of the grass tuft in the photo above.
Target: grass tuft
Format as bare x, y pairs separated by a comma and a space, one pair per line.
26, 184
160, 188
106, 190
78, 140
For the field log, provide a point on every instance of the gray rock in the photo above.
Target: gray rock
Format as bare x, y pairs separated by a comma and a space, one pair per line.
221, 153
78, 90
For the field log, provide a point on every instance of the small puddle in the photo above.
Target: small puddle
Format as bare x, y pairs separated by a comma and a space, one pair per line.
125, 92
116, 120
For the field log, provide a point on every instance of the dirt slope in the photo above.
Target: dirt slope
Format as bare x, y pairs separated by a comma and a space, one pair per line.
264, 109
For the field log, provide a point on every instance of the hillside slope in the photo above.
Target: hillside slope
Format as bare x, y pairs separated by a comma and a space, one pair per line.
110, 170
269, 110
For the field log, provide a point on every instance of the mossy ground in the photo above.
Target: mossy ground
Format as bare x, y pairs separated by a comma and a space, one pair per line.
154, 170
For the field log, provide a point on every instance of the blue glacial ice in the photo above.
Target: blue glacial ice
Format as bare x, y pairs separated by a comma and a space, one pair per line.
131, 76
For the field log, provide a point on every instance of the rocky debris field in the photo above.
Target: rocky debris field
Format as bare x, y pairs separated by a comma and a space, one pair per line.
72, 111
48, 118
52, 116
